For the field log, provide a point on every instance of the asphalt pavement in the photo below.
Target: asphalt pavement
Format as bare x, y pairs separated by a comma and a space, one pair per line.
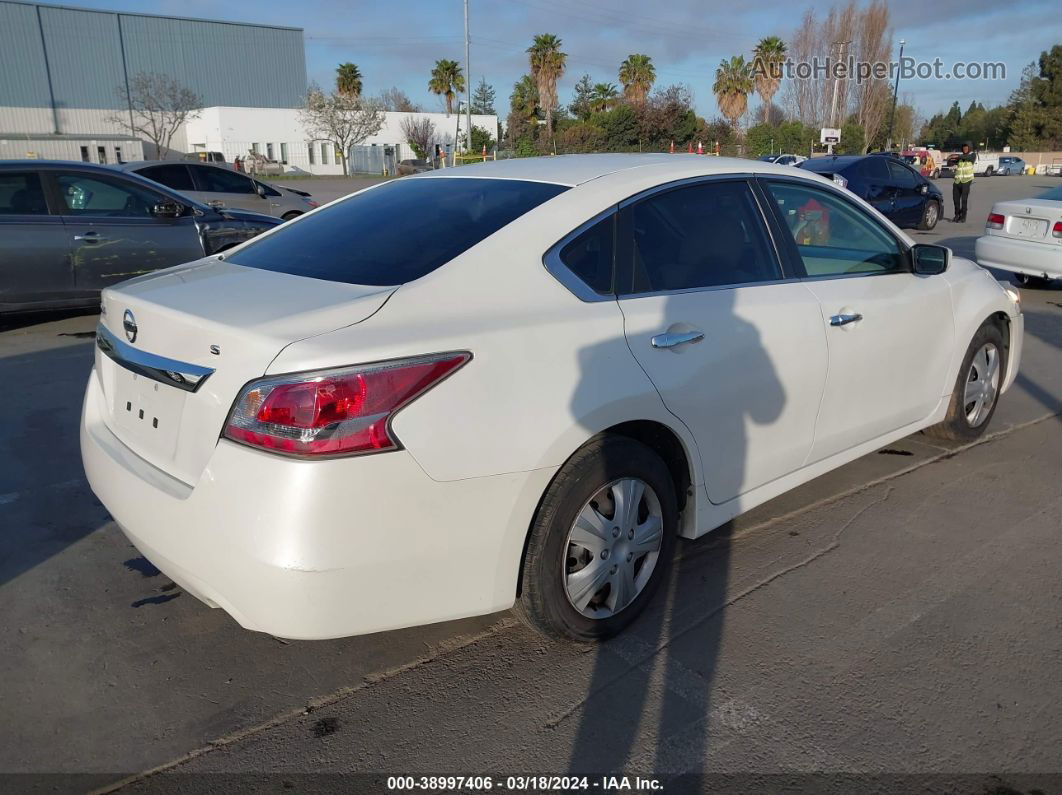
900, 615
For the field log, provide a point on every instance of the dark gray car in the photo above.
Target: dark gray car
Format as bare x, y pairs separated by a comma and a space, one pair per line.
67, 230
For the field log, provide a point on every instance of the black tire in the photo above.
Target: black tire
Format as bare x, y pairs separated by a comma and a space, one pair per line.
988, 171
543, 603
289, 216
1031, 282
956, 426
930, 216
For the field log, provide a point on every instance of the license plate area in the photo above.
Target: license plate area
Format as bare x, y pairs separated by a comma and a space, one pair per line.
1028, 227
147, 412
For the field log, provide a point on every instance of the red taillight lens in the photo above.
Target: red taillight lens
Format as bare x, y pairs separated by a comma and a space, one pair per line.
334, 412
995, 221
1056, 230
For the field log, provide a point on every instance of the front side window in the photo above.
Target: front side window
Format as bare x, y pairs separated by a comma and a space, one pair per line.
589, 255
705, 235
397, 232
172, 176
832, 236
102, 196
22, 194
219, 180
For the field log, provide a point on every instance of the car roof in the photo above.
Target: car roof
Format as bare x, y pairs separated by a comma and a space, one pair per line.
832, 162
573, 170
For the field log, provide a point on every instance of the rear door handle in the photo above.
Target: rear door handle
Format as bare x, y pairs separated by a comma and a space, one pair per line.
844, 320
671, 339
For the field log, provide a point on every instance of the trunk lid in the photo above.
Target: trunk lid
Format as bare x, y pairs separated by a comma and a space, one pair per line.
1029, 219
215, 321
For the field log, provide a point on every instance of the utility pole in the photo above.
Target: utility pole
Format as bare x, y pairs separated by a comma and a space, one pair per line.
468, 90
833, 101
895, 90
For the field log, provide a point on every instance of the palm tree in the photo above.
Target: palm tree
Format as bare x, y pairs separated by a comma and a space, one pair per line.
447, 80
524, 99
767, 61
348, 79
637, 75
733, 84
547, 66
603, 96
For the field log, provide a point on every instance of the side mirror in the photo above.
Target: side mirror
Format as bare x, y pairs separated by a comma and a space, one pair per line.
260, 189
930, 260
168, 210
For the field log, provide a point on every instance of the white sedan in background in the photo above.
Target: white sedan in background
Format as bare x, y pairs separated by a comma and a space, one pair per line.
1025, 237
520, 382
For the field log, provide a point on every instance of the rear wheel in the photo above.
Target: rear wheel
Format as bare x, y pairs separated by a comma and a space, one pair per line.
289, 216
600, 543
930, 215
976, 393
988, 171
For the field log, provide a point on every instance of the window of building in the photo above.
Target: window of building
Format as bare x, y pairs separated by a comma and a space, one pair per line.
284, 154
101, 154
312, 153
707, 235
254, 147
117, 154
84, 154
21, 194
269, 151
324, 154
832, 236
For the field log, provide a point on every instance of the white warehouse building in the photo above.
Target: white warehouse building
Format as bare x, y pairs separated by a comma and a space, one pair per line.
277, 134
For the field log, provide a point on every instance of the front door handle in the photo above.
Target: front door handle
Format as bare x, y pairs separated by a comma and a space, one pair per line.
844, 320
217, 204
670, 339
90, 237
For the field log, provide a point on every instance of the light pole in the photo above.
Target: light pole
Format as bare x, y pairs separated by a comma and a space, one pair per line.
833, 100
468, 90
895, 91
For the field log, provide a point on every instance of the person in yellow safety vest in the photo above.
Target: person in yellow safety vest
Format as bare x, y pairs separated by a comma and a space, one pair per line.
960, 189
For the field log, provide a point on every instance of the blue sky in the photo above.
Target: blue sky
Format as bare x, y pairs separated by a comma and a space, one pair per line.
397, 43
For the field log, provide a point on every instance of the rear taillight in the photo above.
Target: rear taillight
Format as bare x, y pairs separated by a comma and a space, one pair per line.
995, 221
1056, 230
345, 411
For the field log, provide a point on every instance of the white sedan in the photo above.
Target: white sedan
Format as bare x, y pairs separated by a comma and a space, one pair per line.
520, 382
1025, 237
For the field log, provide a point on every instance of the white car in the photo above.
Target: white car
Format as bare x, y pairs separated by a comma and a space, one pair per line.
1025, 238
520, 382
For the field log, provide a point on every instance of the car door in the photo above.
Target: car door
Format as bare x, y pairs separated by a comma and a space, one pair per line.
878, 190
735, 350
910, 200
221, 188
889, 332
113, 230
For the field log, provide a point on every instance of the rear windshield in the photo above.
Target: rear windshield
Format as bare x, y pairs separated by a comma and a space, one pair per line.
395, 233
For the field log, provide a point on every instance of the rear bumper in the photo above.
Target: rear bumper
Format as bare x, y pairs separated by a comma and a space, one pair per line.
1020, 256
321, 549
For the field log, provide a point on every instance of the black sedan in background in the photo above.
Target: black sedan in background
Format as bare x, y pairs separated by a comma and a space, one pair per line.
891, 186
68, 229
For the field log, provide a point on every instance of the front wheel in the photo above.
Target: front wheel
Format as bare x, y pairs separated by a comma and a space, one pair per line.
601, 541
988, 171
930, 215
973, 401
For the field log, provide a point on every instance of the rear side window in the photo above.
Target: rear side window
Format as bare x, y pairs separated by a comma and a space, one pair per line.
21, 194
589, 255
395, 233
172, 176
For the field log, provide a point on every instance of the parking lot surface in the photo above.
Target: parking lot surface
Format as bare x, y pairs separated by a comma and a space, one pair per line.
901, 614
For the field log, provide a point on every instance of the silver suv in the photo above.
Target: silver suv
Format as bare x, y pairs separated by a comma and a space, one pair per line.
223, 188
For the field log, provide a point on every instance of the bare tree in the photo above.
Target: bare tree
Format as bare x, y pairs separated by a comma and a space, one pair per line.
420, 133
341, 119
396, 99
873, 97
157, 107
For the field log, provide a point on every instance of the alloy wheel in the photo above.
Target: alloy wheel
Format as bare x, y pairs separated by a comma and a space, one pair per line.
612, 548
982, 385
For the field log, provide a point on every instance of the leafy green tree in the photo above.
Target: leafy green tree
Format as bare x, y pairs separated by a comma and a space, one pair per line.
481, 138
621, 128
580, 105
483, 98
581, 137
547, 66
637, 75
447, 81
732, 86
767, 61
348, 80
853, 139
